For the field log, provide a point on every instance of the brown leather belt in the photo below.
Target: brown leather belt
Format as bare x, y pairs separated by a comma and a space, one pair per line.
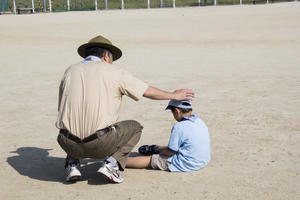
89, 138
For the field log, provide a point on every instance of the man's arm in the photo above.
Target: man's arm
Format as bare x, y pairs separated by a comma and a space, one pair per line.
158, 94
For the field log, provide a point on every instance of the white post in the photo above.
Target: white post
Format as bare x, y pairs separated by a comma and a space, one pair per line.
50, 6
14, 7
241, 2
96, 5
215, 2
105, 4
32, 4
148, 3
122, 6
174, 3
199, 2
267, 1
68, 5
161, 3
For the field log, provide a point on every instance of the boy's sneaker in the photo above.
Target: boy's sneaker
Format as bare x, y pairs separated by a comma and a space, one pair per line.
148, 150
110, 172
73, 173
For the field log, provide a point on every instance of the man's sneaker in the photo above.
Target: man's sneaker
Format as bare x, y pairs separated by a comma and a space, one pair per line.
110, 172
73, 174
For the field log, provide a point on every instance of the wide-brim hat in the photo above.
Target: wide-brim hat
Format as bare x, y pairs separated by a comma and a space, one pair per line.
100, 41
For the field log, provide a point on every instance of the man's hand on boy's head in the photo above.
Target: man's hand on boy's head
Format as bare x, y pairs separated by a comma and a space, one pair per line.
183, 94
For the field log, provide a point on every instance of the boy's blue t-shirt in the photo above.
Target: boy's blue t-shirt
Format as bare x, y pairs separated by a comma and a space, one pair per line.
190, 140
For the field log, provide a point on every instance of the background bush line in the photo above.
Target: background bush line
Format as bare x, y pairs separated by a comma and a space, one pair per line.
61, 5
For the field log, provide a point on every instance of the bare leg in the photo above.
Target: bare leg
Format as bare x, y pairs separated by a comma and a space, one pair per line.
138, 162
141, 162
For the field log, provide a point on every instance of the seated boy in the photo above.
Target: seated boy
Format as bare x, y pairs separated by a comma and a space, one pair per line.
188, 148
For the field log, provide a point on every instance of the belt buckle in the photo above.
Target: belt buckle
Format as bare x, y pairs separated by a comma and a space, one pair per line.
113, 128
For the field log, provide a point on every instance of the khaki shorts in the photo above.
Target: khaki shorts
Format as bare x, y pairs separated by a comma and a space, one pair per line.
160, 162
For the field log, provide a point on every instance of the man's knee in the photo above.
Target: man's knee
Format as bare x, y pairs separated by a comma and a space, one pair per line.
137, 125
132, 126
136, 130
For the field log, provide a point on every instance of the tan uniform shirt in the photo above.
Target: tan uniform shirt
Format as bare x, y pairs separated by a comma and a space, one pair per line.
90, 96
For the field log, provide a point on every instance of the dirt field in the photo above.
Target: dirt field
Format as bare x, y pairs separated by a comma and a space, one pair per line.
243, 62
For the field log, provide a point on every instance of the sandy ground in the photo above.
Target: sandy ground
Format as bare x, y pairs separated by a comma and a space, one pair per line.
243, 62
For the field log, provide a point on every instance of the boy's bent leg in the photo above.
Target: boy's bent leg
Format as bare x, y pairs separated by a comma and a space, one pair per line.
128, 135
139, 162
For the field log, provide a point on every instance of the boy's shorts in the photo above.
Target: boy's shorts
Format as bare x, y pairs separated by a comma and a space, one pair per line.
160, 162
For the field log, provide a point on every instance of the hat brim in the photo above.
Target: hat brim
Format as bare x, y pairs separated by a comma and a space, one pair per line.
169, 107
117, 53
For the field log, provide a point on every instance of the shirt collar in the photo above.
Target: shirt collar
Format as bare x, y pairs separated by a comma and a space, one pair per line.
192, 118
91, 59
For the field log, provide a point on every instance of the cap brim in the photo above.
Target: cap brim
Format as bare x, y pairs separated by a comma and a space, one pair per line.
117, 53
169, 107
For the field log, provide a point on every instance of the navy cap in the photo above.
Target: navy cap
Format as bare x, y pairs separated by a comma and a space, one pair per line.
186, 104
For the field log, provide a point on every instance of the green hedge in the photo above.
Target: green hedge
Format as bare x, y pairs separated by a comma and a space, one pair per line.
61, 5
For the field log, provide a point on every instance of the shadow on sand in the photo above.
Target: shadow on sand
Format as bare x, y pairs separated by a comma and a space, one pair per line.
36, 163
